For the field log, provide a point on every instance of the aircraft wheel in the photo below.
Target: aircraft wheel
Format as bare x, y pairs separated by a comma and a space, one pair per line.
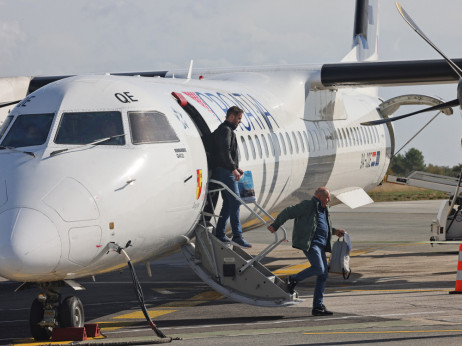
71, 313
36, 315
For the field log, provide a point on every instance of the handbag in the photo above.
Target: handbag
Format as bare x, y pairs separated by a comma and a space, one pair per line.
340, 258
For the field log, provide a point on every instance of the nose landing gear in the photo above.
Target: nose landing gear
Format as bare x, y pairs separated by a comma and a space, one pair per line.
48, 312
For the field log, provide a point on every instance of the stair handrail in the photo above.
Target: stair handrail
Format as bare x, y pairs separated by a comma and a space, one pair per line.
271, 246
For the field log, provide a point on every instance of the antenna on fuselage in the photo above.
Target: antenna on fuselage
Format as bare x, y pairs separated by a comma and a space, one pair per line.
190, 69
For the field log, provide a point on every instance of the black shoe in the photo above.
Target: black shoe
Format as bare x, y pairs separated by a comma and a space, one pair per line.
321, 311
291, 285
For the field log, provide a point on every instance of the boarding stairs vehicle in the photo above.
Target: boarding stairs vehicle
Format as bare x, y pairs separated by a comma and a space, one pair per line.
448, 224
230, 270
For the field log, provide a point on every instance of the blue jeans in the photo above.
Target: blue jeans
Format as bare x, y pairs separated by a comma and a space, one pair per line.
317, 257
230, 208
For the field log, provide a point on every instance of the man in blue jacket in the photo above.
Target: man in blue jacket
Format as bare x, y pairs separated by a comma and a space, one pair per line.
311, 234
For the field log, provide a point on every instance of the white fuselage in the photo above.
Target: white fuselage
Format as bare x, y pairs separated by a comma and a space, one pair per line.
60, 209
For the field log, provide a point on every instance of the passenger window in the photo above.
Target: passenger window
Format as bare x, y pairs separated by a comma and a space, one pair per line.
252, 147
350, 141
314, 135
150, 127
258, 146
265, 145
345, 137
363, 135
88, 127
308, 145
27, 130
368, 138
277, 147
246, 151
360, 138
283, 143
339, 138
295, 142
371, 133
289, 143
301, 141
270, 140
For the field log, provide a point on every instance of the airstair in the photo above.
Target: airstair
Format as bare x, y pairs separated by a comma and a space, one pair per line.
230, 270
447, 226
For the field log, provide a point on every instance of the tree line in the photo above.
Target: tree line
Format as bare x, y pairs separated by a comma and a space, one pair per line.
413, 160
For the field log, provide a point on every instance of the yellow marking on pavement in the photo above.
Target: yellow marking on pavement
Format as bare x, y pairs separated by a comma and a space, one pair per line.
110, 326
255, 222
198, 299
26, 342
210, 295
140, 315
183, 304
379, 290
299, 267
388, 332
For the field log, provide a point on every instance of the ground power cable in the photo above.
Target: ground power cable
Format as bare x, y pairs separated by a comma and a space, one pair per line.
140, 295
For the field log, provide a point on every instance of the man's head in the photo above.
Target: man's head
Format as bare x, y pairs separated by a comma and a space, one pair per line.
323, 195
234, 115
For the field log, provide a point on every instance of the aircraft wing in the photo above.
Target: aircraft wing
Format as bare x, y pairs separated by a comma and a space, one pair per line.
388, 73
336, 75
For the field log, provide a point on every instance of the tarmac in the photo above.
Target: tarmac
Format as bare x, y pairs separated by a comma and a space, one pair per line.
398, 293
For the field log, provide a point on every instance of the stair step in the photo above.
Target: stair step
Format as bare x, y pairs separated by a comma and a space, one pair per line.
219, 265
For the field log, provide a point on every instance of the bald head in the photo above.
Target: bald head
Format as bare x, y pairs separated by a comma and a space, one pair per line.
323, 195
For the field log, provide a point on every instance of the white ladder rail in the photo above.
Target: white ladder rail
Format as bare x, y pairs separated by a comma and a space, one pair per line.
271, 246
211, 256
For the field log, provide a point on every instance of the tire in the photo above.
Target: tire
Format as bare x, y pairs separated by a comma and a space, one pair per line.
36, 315
71, 313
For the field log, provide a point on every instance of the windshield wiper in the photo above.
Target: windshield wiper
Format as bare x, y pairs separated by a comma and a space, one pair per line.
98, 141
18, 151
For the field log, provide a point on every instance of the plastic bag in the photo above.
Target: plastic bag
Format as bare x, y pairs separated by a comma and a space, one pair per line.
340, 258
246, 188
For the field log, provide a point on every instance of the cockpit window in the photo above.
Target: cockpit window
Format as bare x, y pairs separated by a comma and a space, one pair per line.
88, 127
28, 130
5, 125
150, 127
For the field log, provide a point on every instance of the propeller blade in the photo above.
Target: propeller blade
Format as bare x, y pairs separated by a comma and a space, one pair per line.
444, 105
414, 26
6, 104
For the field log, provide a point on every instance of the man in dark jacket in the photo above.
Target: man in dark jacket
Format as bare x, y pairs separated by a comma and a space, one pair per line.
312, 233
226, 169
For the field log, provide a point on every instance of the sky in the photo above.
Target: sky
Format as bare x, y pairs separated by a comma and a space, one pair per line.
55, 37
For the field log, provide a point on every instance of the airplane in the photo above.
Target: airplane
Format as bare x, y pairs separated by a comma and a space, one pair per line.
90, 164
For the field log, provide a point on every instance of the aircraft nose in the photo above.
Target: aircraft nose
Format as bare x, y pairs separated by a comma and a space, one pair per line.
30, 247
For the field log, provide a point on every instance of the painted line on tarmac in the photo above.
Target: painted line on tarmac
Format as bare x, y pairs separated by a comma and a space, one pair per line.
388, 332
299, 267
164, 309
383, 290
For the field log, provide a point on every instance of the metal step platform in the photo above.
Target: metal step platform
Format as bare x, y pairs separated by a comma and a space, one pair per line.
234, 273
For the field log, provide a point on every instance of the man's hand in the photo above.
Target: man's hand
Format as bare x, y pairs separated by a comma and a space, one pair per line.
271, 229
237, 175
241, 172
339, 232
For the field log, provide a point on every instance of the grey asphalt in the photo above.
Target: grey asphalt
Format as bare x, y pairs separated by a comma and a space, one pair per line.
398, 293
